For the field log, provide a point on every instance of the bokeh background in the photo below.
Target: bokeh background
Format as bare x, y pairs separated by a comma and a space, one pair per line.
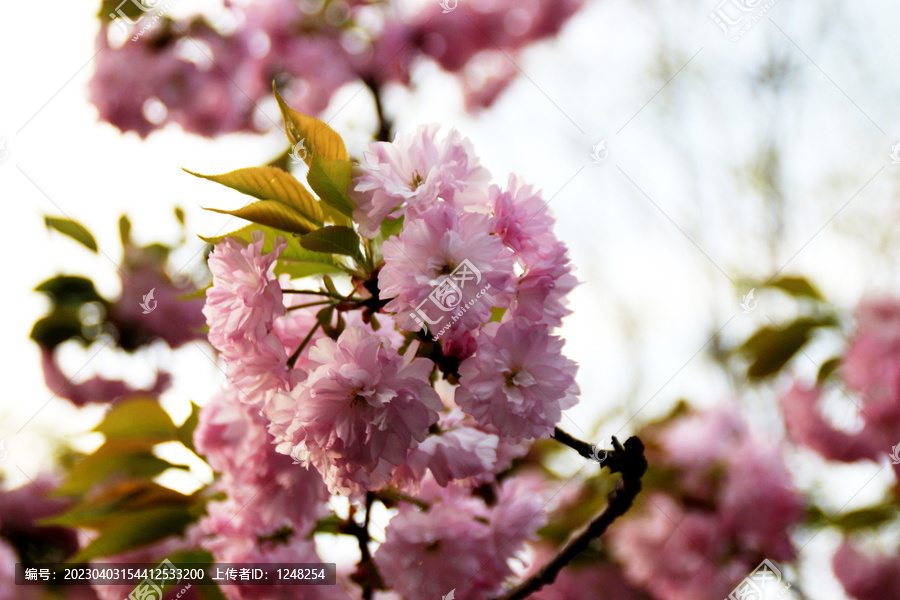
728, 162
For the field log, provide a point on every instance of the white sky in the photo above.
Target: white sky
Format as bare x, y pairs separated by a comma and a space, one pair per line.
651, 298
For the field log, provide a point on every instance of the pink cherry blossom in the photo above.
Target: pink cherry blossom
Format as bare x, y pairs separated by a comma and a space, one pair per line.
426, 255
807, 426
360, 410
459, 542
522, 220
518, 382
413, 173
245, 296
542, 290
458, 452
866, 576
234, 439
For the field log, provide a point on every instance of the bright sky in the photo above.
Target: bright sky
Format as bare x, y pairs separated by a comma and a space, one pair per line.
666, 233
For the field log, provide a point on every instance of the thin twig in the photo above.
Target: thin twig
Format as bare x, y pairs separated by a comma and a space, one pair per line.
628, 460
296, 355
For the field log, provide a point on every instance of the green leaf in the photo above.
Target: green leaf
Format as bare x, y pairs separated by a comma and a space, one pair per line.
330, 524
336, 239
138, 418
870, 517
324, 316
186, 430
318, 138
272, 214
798, 287
114, 461
136, 529
330, 180
271, 183
391, 227
295, 260
124, 230
73, 229
769, 349
827, 370
70, 290
100, 509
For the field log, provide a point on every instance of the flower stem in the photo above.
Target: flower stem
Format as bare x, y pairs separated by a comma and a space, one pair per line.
296, 355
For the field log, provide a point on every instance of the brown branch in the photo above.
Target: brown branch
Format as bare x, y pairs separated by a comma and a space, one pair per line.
630, 462
366, 575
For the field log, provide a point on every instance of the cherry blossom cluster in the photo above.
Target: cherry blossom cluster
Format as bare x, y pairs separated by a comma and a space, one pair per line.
210, 74
432, 395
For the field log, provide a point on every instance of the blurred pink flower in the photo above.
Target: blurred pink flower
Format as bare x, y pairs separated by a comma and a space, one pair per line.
95, 389
518, 382
235, 442
459, 542
866, 576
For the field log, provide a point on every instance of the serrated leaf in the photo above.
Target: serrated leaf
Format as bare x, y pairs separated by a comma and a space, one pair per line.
272, 214
330, 179
138, 418
73, 229
798, 287
336, 239
296, 261
271, 183
318, 138
770, 348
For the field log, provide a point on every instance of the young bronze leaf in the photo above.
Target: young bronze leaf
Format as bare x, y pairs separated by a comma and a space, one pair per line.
273, 214
318, 138
74, 230
270, 183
